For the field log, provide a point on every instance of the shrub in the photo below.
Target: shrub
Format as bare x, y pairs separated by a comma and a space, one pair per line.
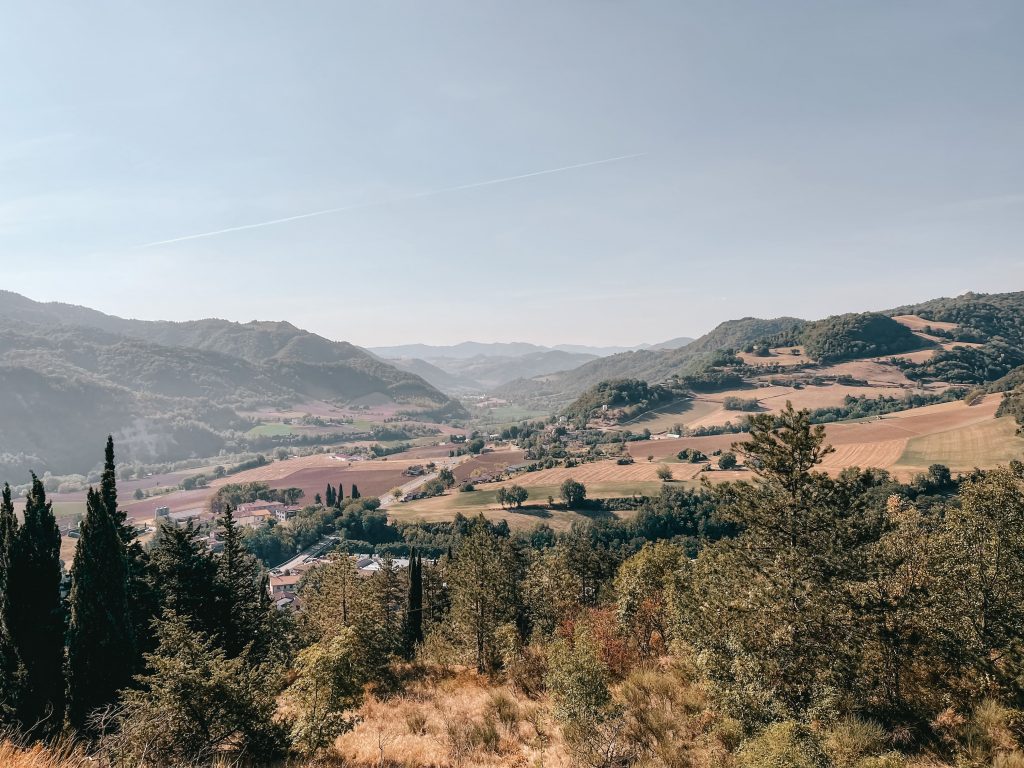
782, 745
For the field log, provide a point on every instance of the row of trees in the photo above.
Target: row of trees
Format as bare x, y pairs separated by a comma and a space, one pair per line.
141, 634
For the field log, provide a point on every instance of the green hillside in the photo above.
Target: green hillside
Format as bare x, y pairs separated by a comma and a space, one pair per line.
168, 390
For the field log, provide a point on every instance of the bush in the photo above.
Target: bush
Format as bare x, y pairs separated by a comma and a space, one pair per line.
782, 745
733, 403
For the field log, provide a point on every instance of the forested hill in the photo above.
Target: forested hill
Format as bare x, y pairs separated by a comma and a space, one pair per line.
170, 390
651, 365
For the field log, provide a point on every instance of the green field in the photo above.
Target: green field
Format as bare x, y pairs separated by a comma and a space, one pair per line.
504, 415
978, 445
487, 496
271, 430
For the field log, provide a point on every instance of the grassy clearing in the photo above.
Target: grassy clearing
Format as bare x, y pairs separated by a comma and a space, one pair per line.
504, 415
985, 444
679, 412
535, 510
271, 430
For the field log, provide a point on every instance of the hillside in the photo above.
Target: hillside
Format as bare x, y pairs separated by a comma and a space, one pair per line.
651, 365
970, 339
167, 390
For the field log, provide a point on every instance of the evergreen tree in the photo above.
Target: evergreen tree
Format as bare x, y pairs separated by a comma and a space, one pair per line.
100, 636
142, 600
108, 494
241, 593
37, 614
11, 670
414, 610
194, 703
184, 576
483, 584
355, 491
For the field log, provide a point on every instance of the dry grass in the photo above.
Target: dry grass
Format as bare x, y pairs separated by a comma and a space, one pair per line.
453, 722
984, 444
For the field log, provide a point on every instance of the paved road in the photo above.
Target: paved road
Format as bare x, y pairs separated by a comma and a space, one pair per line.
385, 501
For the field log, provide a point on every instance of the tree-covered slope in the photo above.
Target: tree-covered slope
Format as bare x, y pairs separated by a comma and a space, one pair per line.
854, 336
993, 321
168, 390
558, 389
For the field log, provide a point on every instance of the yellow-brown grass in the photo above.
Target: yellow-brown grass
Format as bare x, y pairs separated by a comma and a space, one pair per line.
453, 722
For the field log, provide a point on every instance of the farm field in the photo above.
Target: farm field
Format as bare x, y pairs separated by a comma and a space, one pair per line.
535, 510
777, 356
978, 445
685, 412
882, 442
311, 473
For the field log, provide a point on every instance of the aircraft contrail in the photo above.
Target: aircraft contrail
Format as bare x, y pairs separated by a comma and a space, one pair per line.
403, 198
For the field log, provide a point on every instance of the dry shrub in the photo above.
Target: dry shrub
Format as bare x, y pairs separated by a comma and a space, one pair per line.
851, 740
782, 745
504, 709
416, 721
667, 718
62, 755
526, 670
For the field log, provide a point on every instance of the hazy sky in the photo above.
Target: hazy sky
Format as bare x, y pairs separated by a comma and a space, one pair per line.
801, 158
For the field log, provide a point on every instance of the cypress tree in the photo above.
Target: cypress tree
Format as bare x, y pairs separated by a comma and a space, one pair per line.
329, 496
414, 611
11, 670
37, 614
100, 637
341, 493
142, 599
355, 491
108, 494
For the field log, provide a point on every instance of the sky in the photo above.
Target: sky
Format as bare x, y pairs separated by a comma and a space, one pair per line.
551, 171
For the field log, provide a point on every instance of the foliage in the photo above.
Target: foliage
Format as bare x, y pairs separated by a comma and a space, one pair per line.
849, 337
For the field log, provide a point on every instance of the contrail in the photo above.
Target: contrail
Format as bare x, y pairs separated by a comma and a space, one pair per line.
416, 196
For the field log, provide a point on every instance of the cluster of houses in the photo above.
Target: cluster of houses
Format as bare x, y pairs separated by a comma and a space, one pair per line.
284, 582
251, 515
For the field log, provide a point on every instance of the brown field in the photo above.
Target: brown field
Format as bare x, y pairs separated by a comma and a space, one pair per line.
311, 473
488, 463
972, 437
984, 444
778, 356
915, 323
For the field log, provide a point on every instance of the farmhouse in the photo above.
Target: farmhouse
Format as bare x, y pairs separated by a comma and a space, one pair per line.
264, 510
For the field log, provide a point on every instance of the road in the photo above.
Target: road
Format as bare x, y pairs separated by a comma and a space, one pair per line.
385, 501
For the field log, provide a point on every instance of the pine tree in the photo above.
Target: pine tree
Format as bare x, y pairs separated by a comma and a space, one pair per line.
11, 670
184, 576
37, 614
242, 595
483, 588
100, 635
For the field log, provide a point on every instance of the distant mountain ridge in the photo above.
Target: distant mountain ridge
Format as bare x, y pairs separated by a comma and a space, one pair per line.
170, 390
652, 365
468, 349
